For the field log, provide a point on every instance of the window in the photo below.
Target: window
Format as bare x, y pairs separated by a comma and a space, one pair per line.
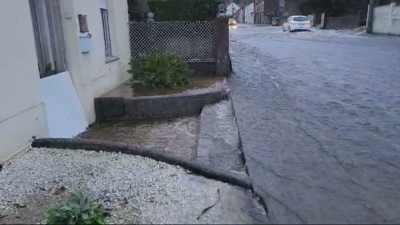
49, 38
106, 30
300, 18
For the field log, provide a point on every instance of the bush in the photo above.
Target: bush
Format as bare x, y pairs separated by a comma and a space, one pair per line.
79, 209
159, 70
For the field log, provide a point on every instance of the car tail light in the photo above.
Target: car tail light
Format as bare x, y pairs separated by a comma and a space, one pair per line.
294, 23
309, 22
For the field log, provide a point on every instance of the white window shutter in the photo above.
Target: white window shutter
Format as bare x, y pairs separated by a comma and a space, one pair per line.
103, 4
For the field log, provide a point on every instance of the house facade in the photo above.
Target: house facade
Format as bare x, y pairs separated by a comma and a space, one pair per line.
56, 58
249, 13
259, 16
283, 8
239, 15
231, 9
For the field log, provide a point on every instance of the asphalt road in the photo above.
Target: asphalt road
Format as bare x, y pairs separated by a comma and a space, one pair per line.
319, 117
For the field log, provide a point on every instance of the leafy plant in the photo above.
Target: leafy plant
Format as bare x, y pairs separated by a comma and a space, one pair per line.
159, 70
79, 209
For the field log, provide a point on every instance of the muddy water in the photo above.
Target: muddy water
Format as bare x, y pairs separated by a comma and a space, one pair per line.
173, 136
124, 90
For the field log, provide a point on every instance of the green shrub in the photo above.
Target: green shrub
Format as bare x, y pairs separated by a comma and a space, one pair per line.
79, 209
159, 70
184, 10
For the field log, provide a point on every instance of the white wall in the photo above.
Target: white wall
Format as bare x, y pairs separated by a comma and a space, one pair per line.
22, 113
387, 19
249, 13
231, 9
91, 74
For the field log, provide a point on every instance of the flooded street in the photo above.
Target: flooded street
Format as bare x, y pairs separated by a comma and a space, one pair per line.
319, 118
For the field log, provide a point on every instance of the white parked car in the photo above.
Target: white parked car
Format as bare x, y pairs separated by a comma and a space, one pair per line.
294, 23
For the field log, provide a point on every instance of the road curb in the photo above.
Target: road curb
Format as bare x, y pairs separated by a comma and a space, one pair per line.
106, 146
261, 200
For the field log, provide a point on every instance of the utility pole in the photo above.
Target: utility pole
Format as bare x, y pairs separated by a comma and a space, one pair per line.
370, 17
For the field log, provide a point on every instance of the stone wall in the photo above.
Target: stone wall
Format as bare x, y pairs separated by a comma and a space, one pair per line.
343, 22
152, 107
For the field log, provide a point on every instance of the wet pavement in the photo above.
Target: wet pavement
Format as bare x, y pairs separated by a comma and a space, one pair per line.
319, 119
171, 136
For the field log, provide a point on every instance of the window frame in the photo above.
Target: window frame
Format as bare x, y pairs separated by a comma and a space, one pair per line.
108, 44
49, 37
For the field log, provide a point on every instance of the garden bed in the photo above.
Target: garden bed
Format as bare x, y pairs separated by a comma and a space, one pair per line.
119, 104
195, 84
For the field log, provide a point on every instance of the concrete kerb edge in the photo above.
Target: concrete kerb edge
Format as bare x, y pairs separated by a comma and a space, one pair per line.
261, 201
106, 146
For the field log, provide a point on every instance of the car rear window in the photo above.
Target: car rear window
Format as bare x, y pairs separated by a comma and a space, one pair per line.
300, 18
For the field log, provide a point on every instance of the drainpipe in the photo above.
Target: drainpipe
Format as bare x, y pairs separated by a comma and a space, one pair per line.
370, 16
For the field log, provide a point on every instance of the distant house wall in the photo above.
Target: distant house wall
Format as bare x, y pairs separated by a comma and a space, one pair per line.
386, 20
259, 16
239, 15
231, 9
291, 7
249, 13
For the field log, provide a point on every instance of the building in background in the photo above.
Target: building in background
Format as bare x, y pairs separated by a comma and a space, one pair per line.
231, 9
259, 16
249, 13
66, 54
239, 15
281, 8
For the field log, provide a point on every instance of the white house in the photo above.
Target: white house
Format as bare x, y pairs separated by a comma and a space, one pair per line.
56, 57
232, 9
249, 13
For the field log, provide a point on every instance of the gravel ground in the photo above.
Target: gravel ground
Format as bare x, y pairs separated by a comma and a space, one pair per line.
136, 189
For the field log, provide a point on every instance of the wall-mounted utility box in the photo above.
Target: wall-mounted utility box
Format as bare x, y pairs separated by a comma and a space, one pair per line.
85, 40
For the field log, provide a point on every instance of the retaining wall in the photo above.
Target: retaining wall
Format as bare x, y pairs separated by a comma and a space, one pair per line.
151, 107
